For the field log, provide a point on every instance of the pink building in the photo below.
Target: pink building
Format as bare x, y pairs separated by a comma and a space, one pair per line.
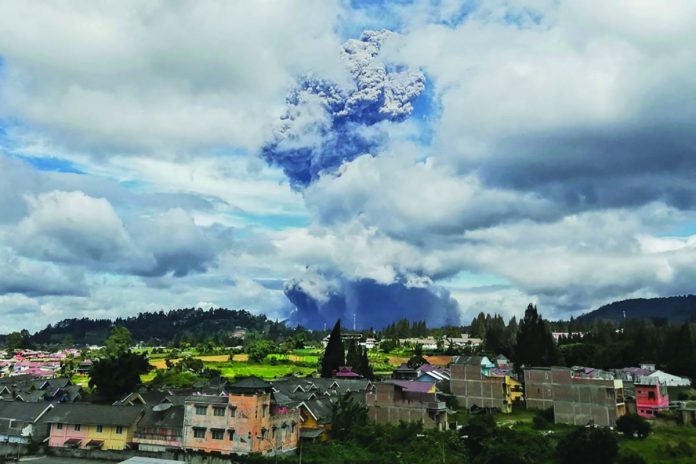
651, 396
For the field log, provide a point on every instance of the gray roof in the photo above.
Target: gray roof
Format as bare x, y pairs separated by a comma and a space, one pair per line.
169, 417
27, 412
93, 414
251, 383
321, 409
208, 399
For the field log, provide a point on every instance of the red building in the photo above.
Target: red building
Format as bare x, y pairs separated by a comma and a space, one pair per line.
651, 397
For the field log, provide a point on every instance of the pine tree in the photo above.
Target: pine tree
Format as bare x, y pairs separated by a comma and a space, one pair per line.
535, 345
365, 368
353, 357
334, 354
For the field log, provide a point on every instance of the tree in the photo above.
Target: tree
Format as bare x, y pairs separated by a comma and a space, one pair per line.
334, 354
115, 376
632, 425
587, 444
119, 342
535, 345
346, 414
257, 350
353, 357
18, 341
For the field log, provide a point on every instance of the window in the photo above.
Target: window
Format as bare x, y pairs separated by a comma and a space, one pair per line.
198, 432
218, 434
119, 429
292, 429
263, 410
77, 427
100, 428
231, 434
220, 412
59, 426
651, 395
233, 412
201, 410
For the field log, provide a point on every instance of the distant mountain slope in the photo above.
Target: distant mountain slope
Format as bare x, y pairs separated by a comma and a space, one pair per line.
190, 323
673, 309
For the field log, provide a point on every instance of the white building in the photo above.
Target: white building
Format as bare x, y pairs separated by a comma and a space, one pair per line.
671, 380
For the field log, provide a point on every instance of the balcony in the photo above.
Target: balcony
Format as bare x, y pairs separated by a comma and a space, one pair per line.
157, 437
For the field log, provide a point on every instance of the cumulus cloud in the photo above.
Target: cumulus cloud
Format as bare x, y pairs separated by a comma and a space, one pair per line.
326, 124
161, 78
74, 228
19, 275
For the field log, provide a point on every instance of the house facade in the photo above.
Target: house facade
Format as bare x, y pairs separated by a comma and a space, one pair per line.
472, 383
244, 421
576, 398
651, 397
161, 428
409, 401
92, 426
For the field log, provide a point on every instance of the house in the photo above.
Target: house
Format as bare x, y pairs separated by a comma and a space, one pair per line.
247, 420
346, 372
21, 422
651, 396
92, 426
404, 372
670, 380
427, 343
315, 417
475, 383
314, 398
578, 397
432, 374
369, 343
463, 341
395, 401
161, 428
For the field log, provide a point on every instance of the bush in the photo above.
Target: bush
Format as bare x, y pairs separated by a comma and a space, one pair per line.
587, 444
632, 425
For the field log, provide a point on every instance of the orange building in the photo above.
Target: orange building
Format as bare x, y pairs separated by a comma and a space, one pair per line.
246, 420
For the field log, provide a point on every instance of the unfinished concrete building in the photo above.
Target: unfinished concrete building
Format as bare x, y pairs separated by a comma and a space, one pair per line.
474, 386
576, 397
409, 401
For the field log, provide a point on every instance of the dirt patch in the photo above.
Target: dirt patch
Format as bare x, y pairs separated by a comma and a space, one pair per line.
397, 360
441, 360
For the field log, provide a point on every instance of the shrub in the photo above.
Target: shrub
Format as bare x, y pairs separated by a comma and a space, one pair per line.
587, 444
632, 425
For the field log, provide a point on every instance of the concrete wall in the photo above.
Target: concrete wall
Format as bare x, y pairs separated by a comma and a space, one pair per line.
575, 401
472, 388
386, 406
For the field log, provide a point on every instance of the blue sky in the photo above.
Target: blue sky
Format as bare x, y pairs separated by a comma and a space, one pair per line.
478, 156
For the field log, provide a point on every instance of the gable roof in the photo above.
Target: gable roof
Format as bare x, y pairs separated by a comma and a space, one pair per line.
93, 414
26, 412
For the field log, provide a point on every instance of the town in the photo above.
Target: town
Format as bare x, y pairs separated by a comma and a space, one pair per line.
443, 385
